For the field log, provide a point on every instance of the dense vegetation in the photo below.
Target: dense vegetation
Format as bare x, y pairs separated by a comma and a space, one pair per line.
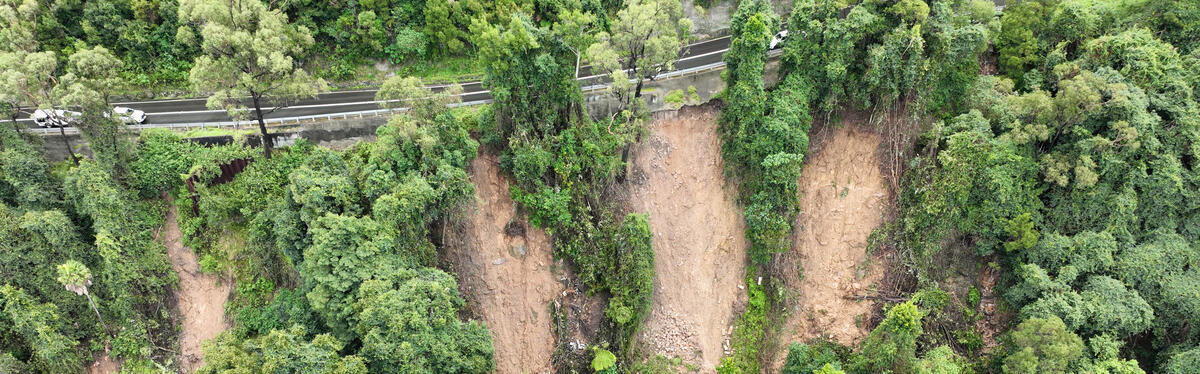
1070, 171
80, 266
1074, 170
355, 228
158, 45
878, 55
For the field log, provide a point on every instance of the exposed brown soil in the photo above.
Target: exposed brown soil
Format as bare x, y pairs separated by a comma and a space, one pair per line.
104, 365
201, 297
990, 326
699, 240
844, 197
506, 271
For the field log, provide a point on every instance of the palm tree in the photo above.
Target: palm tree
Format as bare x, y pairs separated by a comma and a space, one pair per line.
76, 277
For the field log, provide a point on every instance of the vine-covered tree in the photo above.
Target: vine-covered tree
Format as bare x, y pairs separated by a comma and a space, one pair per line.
891, 346
41, 329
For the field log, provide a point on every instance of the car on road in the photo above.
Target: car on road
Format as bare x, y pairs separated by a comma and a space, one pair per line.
129, 116
777, 40
54, 118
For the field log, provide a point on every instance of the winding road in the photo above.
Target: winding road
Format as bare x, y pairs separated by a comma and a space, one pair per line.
175, 111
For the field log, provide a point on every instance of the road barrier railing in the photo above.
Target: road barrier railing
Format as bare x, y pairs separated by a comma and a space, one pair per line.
273, 122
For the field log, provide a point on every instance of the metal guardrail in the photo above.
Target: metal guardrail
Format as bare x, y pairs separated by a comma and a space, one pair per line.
237, 125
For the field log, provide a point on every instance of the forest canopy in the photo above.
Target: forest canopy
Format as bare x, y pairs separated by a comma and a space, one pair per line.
1052, 142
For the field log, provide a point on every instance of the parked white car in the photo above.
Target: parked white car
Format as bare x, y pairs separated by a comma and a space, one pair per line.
54, 118
129, 116
777, 40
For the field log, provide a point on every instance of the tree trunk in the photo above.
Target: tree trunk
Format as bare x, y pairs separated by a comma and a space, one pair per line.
62, 130
97, 310
633, 60
16, 126
577, 57
262, 128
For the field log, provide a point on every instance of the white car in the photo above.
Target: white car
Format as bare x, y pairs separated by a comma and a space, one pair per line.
54, 118
777, 40
129, 115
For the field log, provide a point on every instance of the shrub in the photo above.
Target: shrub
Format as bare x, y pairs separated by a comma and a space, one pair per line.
409, 44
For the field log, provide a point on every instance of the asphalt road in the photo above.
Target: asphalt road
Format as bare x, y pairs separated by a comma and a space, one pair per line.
195, 111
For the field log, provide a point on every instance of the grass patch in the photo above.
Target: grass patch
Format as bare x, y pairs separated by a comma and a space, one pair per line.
214, 131
451, 69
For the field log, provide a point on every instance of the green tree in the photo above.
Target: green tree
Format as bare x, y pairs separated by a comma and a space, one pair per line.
603, 360
446, 24
1115, 309
345, 252
91, 77
416, 171
807, 358
279, 352
18, 22
573, 29
1043, 345
891, 346
1175, 20
1184, 362
829, 369
940, 360
29, 77
644, 40
632, 271
1162, 270
25, 174
408, 324
1017, 44
530, 78
250, 54
410, 92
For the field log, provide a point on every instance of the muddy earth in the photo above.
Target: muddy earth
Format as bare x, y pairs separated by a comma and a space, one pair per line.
677, 176
843, 199
505, 270
201, 297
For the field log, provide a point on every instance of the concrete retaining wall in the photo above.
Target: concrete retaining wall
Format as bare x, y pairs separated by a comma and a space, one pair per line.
714, 21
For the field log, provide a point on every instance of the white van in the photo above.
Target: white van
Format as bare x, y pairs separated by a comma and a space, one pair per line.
129, 116
777, 40
54, 118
